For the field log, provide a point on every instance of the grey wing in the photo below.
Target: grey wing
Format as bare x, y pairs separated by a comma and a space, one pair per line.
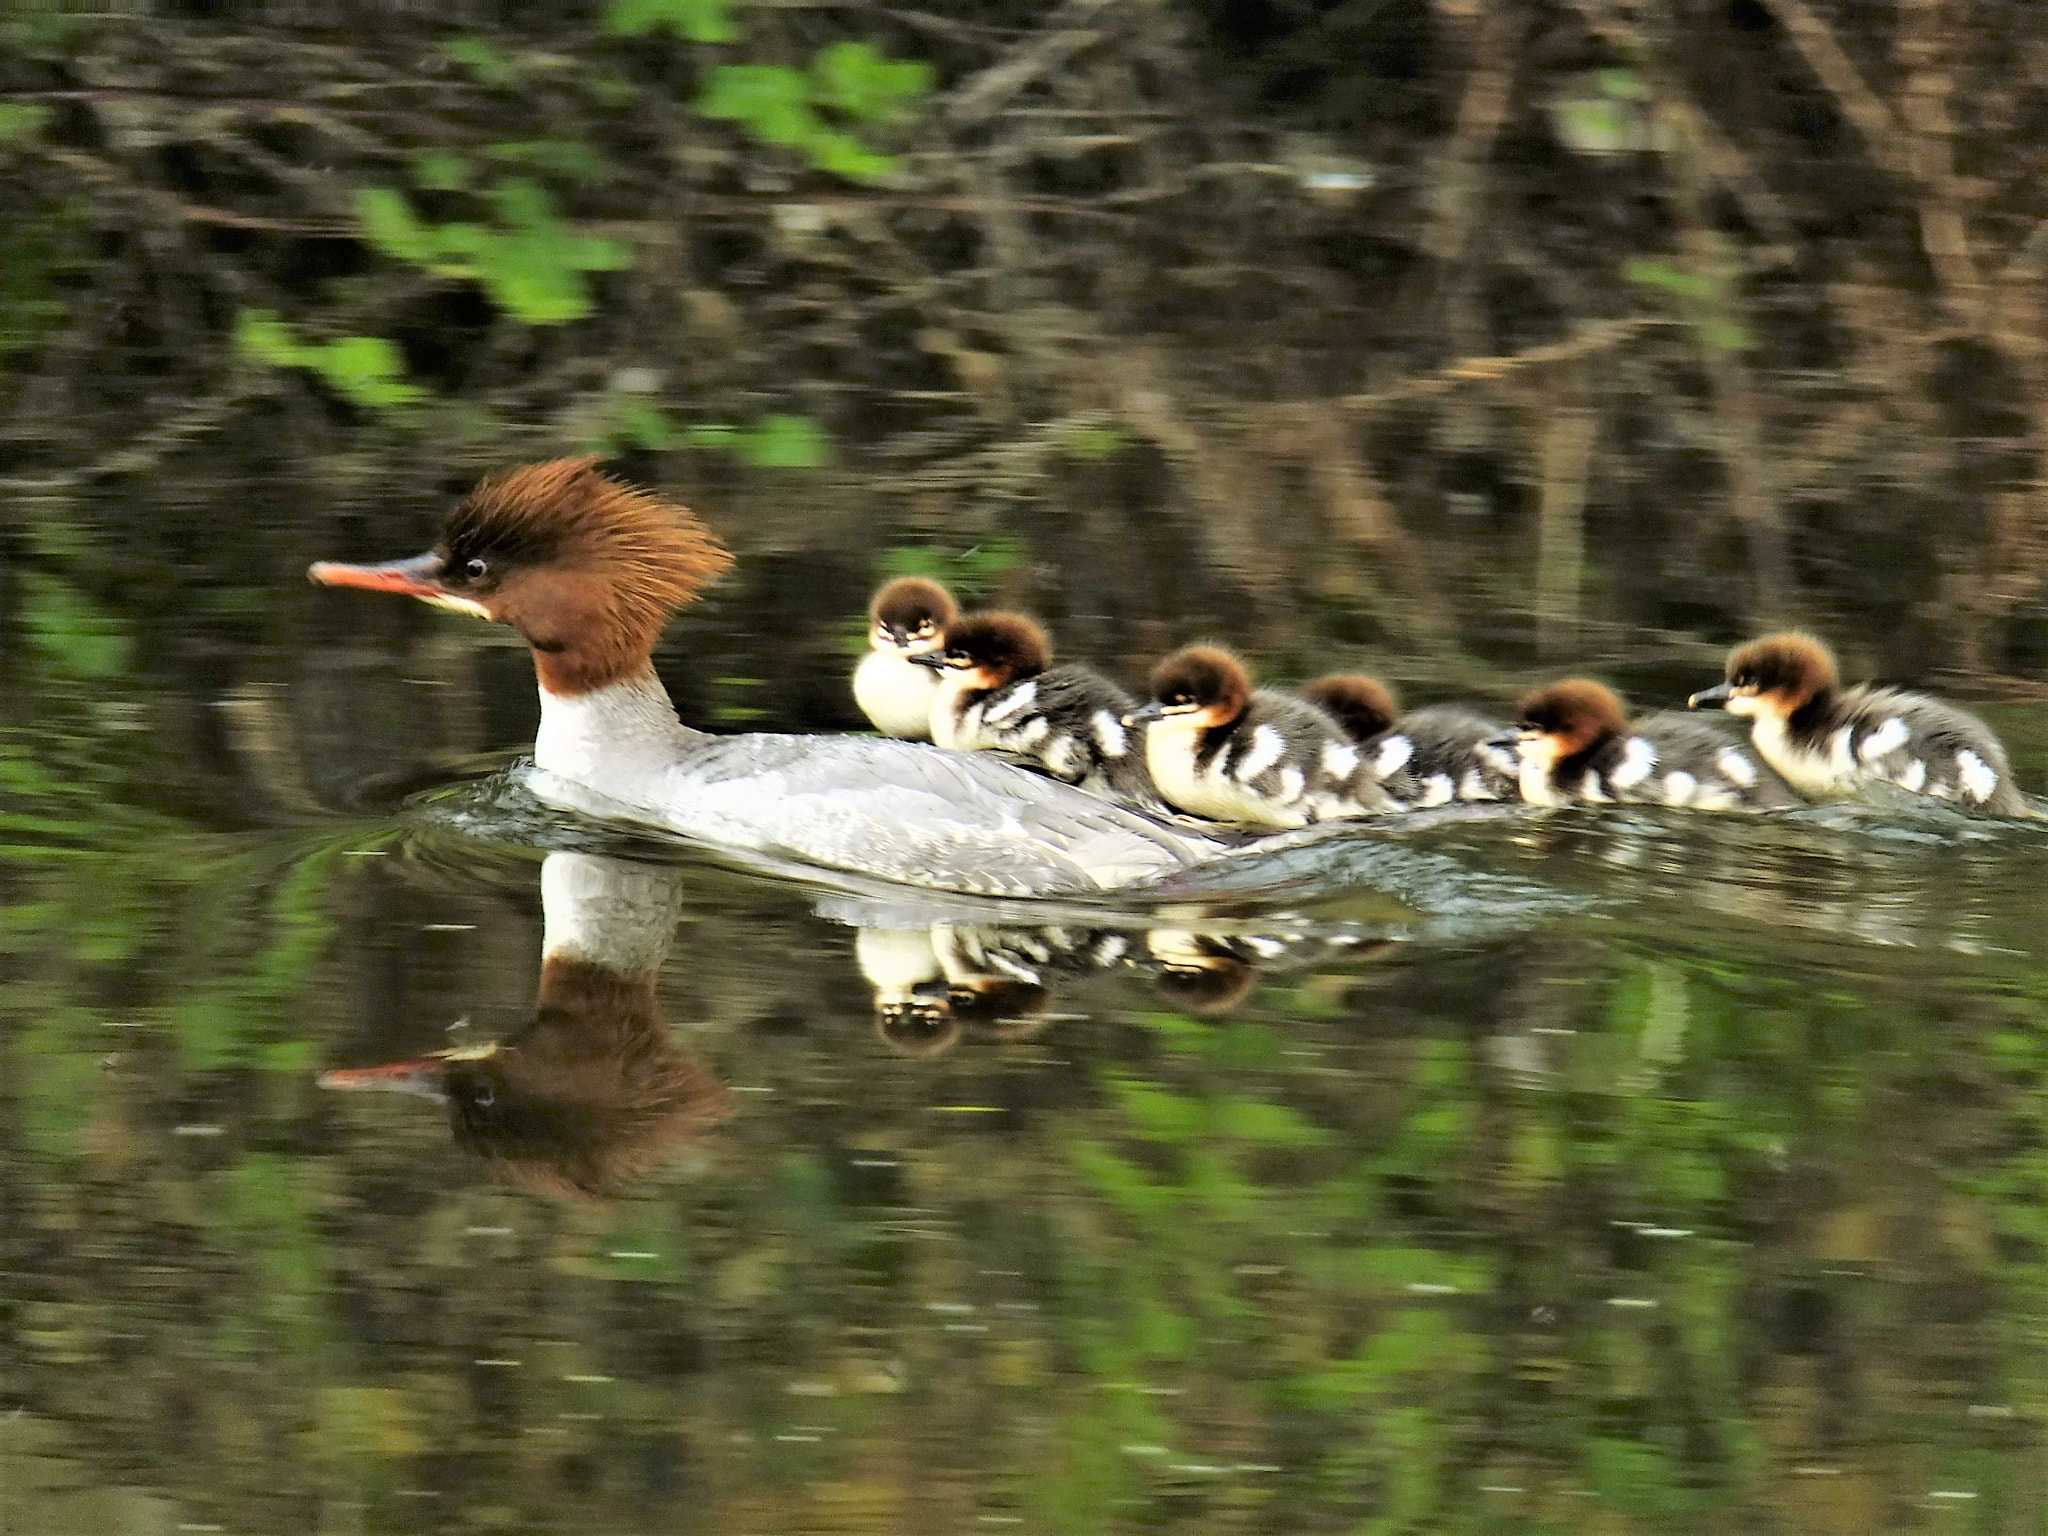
1726, 763
1451, 742
906, 811
1929, 747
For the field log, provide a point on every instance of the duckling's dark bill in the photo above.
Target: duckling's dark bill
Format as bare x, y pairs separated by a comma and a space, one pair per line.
1718, 694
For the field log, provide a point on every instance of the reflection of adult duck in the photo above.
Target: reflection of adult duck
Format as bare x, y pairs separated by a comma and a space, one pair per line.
593, 1090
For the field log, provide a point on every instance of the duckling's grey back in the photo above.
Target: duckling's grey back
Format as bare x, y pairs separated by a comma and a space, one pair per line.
908, 812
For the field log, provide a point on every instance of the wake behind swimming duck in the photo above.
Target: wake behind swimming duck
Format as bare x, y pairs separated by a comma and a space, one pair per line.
1828, 740
589, 571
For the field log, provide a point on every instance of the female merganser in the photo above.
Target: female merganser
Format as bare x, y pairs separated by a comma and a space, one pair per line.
1577, 745
589, 570
910, 617
998, 691
1826, 739
1218, 749
1424, 758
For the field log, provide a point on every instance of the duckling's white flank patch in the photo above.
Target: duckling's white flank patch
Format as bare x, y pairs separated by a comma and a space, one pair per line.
1978, 777
1736, 768
1033, 732
1393, 755
1913, 776
1267, 748
1679, 787
1437, 789
1110, 734
1292, 782
1340, 759
1886, 738
1473, 786
1064, 757
1637, 761
1019, 700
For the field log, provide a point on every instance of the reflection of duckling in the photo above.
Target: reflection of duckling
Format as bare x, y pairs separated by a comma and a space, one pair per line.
1826, 739
910, 615
998, 691
1218, 749
913, 1002
1577, 745
593, 1091
1199, 973
1423, 758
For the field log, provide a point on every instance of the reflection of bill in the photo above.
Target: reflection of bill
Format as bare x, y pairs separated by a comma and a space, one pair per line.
593, 1091
936, 982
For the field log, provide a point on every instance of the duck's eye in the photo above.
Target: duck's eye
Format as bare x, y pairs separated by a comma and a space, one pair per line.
476, 568
925, 628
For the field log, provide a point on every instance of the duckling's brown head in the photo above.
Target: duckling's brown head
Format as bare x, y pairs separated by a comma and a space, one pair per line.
910, 614
1202, 685
1565, 719
990, 650
1363, 706
1776, 675
586, 567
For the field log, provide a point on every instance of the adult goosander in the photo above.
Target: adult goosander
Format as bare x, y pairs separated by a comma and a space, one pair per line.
1219, 749
1826, 739
589, 570
909, 617
1577, 745
998, 691
1424, 758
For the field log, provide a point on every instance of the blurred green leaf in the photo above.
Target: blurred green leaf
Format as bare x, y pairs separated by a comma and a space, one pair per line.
76, 635
697, 21
482, 60
437, 170
785, 442
859, 80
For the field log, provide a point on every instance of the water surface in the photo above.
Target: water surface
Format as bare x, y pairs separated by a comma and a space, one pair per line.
1574, 1172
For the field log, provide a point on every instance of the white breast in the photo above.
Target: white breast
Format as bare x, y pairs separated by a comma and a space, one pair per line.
894, 695
1817, 775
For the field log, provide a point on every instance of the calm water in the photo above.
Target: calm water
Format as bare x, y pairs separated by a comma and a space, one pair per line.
1506, 1172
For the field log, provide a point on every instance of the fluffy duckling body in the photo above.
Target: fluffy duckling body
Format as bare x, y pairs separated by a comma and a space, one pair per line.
998, 691
1425, 758
1577, 746
1828, 740
908, 619
1219, 749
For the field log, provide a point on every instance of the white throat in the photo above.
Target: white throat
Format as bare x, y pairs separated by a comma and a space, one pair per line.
617, 740
1538, 760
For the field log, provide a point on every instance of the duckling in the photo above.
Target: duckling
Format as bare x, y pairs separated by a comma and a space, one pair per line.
1577, 745
1218, 749
910, 615
1827, 740
998, 691
1424, 758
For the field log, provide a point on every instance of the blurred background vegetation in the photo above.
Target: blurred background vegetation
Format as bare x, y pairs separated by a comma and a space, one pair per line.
1460, 339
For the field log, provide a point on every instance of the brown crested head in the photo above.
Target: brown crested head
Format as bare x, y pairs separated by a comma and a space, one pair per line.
1205, 680
1791, 667
998, 648
1574, 714
586, 567
911, 609
1363, 706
